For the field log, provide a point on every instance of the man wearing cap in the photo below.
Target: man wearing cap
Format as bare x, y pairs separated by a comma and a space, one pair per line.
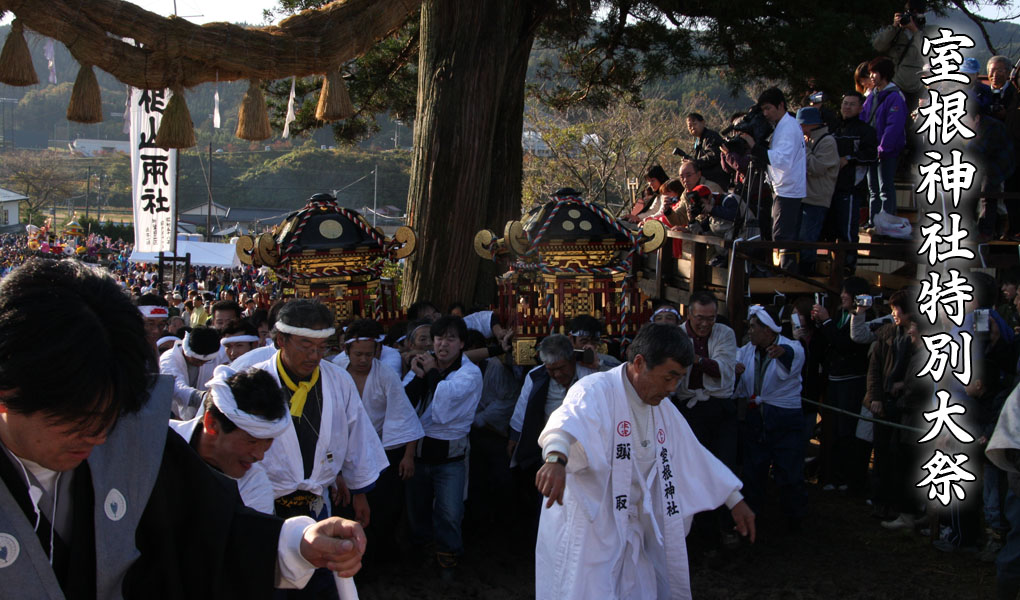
786, 169
330, 444
244, 413
822, 169
768, 371
191, 363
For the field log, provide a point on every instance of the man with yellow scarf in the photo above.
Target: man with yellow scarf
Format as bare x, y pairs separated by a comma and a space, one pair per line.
331, 443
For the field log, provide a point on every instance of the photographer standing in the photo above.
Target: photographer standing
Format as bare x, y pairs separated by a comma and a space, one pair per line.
902, 42
785, 157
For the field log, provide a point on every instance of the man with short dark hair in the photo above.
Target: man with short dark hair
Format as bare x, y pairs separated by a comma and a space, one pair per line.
706, 149
857, 146
786, 166
225, 313
244, 413
92, 483
585, 332
445, 387
637, 475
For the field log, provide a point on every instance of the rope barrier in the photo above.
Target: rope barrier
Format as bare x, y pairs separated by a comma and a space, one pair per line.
864, 417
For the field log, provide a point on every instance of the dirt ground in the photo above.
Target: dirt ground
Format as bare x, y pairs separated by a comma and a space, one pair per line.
841, 553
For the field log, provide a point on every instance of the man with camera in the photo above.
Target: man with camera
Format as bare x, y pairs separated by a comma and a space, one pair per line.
705, 153
847, 368
902, 42
785, 161
822, 169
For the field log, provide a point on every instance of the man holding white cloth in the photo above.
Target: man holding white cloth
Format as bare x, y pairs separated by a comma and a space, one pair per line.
628, 476
768, 368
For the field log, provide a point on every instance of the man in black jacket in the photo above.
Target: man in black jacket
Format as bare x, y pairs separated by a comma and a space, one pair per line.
858, 147
706, 149
848, 370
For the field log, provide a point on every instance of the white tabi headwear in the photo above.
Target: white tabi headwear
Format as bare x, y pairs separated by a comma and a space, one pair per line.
763, 316
237, 339
154, 312
167, 338
665, 309
304, 331
582, 333
377, 340
186, 348
253, 425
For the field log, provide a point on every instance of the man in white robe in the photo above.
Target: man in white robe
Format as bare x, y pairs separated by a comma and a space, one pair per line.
191, 363
624, 476
244, 413
330, 442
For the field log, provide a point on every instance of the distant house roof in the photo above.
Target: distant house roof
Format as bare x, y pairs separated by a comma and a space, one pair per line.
10, 196
218, 209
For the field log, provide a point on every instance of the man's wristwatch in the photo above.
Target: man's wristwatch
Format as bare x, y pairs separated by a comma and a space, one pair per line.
556, 458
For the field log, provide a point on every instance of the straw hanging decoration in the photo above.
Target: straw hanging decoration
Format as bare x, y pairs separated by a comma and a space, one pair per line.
253, 119
86, 104
15, 59
176, 129
334, 101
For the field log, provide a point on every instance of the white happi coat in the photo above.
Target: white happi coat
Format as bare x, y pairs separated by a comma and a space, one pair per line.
722, 348
255, 489
392, 415
172, 363
389, 357
780, 387
347, 442
582, 549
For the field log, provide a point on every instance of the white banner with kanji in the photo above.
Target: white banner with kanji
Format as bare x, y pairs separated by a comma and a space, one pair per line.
153, 174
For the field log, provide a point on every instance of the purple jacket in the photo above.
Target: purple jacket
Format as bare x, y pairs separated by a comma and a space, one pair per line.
889, 118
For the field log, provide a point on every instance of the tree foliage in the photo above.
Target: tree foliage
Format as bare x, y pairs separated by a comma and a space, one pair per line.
42, 176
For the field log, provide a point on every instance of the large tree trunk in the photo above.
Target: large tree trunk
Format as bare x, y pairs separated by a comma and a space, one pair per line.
466, 170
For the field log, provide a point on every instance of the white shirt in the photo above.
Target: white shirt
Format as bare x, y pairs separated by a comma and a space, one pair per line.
787, 170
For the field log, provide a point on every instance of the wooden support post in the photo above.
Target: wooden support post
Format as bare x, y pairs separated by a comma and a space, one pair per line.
699, 265
735, 286
658, 271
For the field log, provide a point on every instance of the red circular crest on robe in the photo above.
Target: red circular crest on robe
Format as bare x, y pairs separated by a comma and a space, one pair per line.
623, 428
661, 436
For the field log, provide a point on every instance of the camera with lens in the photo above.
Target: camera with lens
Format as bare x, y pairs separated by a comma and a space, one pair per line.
678, 151
752, 123
586, 356
864, 300
906, 18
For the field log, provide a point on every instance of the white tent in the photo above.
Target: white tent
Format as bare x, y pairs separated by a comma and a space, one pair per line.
203, 254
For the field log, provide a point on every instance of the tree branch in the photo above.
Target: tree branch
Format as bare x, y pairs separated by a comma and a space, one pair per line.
979, 21
177, 53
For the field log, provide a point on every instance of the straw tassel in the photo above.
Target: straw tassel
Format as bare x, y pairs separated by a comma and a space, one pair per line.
334, 101
252, 119
15, 59
86, 104
176, 129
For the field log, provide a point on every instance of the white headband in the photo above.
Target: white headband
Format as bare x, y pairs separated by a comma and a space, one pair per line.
154, 312
186, 348
593, 334
236, 339
365, 339
253, 425
167, 338
304, 331
665, 309
766, 319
